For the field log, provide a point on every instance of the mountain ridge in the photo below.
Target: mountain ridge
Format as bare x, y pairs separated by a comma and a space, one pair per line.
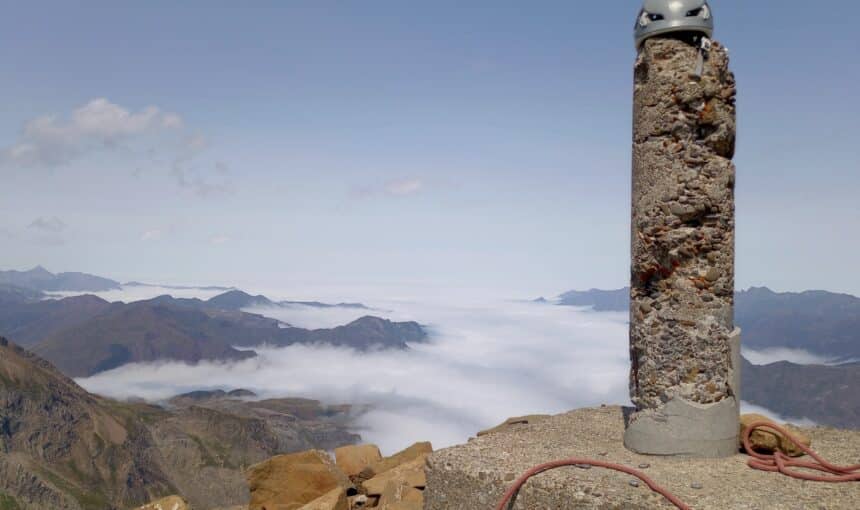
40, 279
820, 322
85, 335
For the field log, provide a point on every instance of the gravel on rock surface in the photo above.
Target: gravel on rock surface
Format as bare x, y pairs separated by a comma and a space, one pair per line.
476, 474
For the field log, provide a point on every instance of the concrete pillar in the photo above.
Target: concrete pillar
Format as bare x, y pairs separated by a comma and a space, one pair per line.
683, 380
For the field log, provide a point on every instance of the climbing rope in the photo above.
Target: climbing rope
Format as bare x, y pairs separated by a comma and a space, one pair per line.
780, 463
776, 462
511, 494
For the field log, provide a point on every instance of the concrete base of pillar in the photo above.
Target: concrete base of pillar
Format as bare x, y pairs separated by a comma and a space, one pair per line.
687, 429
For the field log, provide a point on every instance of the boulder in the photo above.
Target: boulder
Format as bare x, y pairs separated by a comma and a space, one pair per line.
332, 500
400, 496
353, 459
410, 474
287, 482
168, 503
512, 423
769, 441
413, 452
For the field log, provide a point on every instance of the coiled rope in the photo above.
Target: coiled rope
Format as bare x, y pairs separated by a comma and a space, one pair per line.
780, 463
776, 462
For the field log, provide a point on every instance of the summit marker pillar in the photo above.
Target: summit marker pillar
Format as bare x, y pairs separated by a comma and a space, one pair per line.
684, 348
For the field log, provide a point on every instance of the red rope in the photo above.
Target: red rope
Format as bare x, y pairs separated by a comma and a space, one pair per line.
510, 495
777, 462
780, 462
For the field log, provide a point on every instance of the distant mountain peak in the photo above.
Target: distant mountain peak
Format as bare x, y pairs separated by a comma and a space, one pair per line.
237, 299
762, 290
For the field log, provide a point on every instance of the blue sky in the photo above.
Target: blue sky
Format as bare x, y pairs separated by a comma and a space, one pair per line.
479, 144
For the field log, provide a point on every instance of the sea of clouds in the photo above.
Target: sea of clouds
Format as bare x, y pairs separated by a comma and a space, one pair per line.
798, 356
485, 360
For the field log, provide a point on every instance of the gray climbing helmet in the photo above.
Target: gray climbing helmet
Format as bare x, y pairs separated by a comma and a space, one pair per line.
659, 17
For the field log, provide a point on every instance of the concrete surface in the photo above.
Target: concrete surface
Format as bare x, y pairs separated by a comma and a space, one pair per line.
474, 476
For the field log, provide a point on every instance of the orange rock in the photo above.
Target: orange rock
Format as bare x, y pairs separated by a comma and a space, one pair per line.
410, 474
287, 482
354, 458
768, 441
332, 500
399, 496
413, 452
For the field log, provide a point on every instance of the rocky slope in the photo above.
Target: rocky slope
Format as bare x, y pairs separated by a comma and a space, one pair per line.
827, 395
63, 448
30, 322
821, 322
13, 295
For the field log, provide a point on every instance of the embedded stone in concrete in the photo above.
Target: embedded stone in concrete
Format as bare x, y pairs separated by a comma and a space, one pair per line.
475, 475
682, 242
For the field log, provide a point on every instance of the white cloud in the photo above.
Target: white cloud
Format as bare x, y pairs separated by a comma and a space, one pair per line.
775, 354
53, 141
50, 141
128, 294
152, 235
312, 317
746, 408
404, 187
48, 224
219, 239
483, 364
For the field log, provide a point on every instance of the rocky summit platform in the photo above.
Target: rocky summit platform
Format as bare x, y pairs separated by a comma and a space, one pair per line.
474, 476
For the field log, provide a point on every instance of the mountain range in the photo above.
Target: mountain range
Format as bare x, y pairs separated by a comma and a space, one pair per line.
40, 279
65, 449
820, 322
817, 321
85, 335
825, 394
237, 300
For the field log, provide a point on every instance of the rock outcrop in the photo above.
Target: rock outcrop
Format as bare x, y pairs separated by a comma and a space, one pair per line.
335, 499
290, 481
62, 448
353, 459
311, 481
416, 451
766, 440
